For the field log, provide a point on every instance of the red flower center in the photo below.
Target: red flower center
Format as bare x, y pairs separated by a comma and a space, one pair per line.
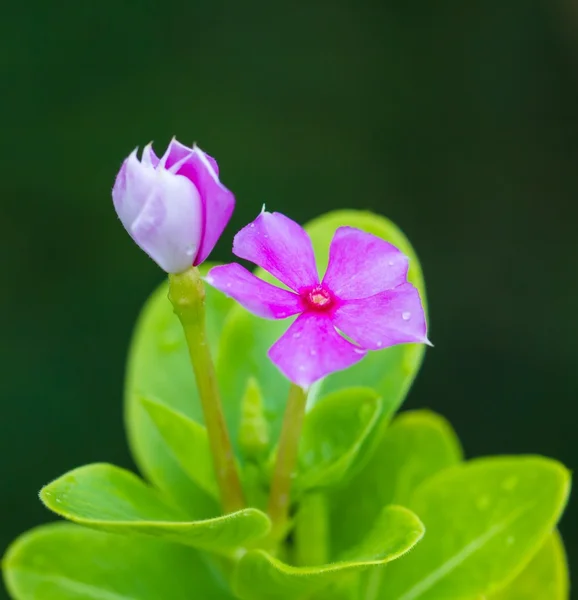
318, 298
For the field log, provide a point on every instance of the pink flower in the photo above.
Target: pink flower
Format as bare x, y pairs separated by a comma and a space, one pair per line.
364, 294
175, 208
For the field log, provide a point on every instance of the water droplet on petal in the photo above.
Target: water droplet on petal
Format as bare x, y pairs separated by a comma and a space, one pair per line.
296, 335
252, 225
359, 350
406, 316
379, 344
391, 263
313, 352
190, 250
229, 285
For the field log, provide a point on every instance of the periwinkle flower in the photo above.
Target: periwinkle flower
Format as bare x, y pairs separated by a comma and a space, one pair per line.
364, 295
175, 208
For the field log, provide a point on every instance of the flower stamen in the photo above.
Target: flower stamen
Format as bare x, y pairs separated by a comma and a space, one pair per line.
319, 298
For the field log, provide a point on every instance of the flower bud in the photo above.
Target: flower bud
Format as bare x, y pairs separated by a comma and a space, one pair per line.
175, 208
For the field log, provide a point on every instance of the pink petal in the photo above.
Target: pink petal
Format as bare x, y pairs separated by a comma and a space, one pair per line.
388, 318
362, 264
257, 296
174, 153
218, 201
168, 226
311, 349
132, 188
281, 247
149, 157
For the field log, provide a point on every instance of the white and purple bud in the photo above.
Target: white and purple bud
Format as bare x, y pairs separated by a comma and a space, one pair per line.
175, 208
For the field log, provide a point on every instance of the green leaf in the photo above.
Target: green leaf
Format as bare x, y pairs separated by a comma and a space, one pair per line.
159, 367
390, 372
260, 576
188, 443
545, 576
115, 500
67, 562
484, 521
333, 433
415, 446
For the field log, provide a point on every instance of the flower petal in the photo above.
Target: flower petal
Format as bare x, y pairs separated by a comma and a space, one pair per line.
168, 227
388, 318
218, 202
311, 349
281, 247
149, 157
174, 153
177, 151
132, 188
362, 264
257, 296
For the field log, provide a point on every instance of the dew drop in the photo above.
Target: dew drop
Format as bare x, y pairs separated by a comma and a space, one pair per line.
391, 263
58, 500
406, 316
379, 344
190, 250
296, 335
252, 225
359, 351
313, 352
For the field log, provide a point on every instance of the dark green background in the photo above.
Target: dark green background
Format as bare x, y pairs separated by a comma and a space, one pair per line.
458, 120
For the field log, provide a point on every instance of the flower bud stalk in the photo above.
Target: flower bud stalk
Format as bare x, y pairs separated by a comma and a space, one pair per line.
187, 295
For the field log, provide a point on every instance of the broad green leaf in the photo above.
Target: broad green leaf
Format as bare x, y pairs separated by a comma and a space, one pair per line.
114, 500
67, 562
333, 433
485, 519
390, 372
188, 442
415, 446
159, 368
260, 576
545, 576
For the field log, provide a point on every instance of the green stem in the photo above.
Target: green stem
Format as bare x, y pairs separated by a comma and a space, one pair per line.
187, 295
279, 499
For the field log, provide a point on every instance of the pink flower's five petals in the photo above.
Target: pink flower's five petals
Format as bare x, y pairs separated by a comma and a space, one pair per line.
388, 318
218, 201
362, 264
170, 231
311, 349
281, 247
258, 296
175, 207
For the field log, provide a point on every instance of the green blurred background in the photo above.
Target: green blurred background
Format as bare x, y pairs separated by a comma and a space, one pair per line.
458, 120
